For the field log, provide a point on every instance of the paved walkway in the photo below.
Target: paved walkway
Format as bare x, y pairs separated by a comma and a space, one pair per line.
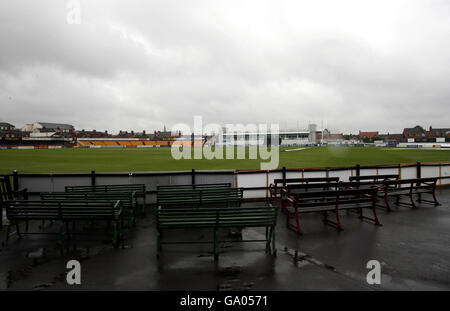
412, 247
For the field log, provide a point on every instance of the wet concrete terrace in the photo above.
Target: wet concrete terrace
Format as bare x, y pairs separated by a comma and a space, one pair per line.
412, 247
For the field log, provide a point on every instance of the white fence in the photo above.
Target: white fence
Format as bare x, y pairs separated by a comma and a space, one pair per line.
256, 182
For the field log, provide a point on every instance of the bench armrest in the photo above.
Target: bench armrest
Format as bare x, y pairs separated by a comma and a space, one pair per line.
290, 200
21, 192
119, 206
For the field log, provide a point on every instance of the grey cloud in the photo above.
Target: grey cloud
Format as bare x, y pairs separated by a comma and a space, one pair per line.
142, 64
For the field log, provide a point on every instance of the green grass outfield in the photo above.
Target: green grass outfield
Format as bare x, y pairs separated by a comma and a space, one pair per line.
160, 159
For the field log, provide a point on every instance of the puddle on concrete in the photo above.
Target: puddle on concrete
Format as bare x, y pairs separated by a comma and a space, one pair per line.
235, 285
225, 245
232, 270
42, 286
42, 256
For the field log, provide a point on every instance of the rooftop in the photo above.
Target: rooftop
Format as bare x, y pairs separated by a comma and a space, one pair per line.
61, 126
412, 247
6, 124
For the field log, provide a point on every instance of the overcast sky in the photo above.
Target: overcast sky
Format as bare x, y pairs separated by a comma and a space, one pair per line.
134, 65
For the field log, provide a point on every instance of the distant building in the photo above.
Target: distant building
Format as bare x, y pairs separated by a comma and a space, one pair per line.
392, 139
439, 133
42, 127
285, 138
370, 135
125, 134
92, 134
414, 133
329, 138
161, 135
6, 126
9, 131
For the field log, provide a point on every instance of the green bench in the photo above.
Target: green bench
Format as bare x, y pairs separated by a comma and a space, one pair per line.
225, 197
193, 186
8, 193
217, 218
138, 189
64, 211
128, 199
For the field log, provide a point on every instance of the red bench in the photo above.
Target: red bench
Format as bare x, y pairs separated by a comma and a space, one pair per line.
330, 201
409, 188
280, 184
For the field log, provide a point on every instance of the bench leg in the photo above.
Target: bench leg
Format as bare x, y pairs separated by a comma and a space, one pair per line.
436, 202
67, 230
131, 222
336, 224
60, 235
8, 230
133, 215
216, 245
413, 205
283, 206
121, 236
41, 226
272, 237
297, 222
158, 243
121, 220
116, 234
386, 201
18, 229
143, 205
325, 217
338, 220
375, 217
